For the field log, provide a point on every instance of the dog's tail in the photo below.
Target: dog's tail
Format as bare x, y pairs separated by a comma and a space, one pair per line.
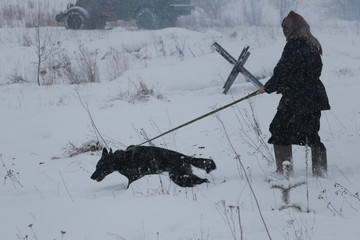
203, 163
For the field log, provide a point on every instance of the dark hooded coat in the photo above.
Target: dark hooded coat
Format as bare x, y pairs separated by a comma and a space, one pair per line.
297, 77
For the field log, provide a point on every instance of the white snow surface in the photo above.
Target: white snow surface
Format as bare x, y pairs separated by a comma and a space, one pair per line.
44, 194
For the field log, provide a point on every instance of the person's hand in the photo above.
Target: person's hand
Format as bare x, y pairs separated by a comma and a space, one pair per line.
262, 90
281, 90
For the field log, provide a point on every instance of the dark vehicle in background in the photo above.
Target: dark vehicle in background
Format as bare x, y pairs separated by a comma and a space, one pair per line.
148, 14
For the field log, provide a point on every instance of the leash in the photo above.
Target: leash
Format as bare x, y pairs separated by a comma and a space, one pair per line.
203, 116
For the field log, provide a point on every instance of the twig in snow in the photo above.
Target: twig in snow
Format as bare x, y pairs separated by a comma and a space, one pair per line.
246, 176
62, 179
86, 107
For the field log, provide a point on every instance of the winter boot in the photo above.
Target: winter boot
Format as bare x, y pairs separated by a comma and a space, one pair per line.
319, 161
283, 153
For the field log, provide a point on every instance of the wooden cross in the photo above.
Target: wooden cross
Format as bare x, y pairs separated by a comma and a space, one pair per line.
238, 67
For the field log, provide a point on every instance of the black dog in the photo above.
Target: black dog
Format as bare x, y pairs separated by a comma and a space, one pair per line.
138, 161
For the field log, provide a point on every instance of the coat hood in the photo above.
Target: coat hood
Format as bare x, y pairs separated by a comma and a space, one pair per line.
295, 27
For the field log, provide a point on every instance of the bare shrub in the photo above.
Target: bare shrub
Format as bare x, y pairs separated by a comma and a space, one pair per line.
76, 69
336, 200
72, 150
44, 41
87, 66
344, 192
10, 174
62, 65
117, 63
51, 72
138, 92
251, 133
96, 131
232, 218
242, 167
14, 177
297, 228
175, 47
45, 47
332, 207
16, 78
26, 40
32, 234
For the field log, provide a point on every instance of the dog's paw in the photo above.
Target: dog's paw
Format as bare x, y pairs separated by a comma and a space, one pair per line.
209, 166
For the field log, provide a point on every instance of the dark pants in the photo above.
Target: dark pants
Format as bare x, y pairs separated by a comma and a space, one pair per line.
288, 128
299, 129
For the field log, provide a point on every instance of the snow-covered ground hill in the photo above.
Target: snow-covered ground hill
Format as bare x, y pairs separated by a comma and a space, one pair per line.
145, 83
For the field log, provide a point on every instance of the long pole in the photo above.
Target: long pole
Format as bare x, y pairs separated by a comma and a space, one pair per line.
203, 116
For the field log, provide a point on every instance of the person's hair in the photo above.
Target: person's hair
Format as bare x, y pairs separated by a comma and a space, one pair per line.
295, 27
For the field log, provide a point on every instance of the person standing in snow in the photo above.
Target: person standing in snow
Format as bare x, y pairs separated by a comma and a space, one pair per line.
297, 77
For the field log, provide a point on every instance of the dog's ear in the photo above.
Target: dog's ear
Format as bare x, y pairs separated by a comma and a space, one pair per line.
111, 152
104, 152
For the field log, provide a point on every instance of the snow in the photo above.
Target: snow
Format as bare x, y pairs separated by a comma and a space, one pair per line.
44, 192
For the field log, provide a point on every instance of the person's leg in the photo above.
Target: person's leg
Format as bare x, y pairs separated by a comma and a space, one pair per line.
282, 153
318, 150
319, 160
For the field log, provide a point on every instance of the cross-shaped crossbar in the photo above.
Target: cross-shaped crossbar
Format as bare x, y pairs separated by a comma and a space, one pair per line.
238, 67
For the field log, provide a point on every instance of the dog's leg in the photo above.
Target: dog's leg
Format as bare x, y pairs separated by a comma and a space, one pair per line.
132, 178
204, 163
186, 180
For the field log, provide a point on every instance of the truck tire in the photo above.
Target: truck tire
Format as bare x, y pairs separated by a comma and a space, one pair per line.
75, 20
147, 19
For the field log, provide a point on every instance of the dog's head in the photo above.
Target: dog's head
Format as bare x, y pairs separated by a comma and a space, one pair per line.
105, 166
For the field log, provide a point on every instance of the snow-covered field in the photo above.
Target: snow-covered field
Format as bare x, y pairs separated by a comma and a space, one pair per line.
45, 194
